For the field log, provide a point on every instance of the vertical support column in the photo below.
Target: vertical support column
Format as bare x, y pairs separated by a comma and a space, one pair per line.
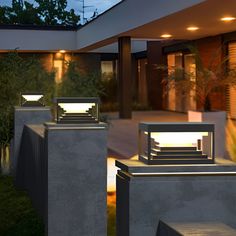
154, 77
124, 76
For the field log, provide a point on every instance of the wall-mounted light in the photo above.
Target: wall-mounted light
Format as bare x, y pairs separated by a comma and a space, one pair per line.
192, 28
31, 99
77, 110
227, 18
166, 36
176, 143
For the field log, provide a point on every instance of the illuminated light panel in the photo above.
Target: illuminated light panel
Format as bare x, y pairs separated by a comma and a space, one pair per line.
76, 107
32, 98
62, 51
192, 28
175, 139
111, 174
166, 36
228, 18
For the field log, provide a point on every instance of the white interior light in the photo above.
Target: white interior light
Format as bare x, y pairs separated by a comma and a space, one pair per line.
76, 107
32, 98
177, 139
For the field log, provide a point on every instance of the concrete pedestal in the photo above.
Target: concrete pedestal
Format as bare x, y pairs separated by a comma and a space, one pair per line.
197, 229
64, 170
24, 116
184, 193
77, 179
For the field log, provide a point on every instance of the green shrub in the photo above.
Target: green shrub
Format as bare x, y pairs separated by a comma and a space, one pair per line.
76, 84
18, 218
19, 75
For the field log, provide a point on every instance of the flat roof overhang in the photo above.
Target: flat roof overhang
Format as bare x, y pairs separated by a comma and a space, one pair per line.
150, 19
138, 19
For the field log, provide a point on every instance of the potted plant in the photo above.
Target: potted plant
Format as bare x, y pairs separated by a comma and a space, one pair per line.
200, 84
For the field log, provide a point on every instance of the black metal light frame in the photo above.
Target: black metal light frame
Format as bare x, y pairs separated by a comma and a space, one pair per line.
149, 127
26, 103
79, 100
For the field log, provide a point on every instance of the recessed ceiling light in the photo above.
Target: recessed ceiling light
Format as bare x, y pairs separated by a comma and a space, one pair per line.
192, 28
166, 36
227, 18
62, 51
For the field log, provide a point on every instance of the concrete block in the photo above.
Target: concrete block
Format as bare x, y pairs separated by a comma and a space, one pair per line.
195, 228
183, 193
77, 179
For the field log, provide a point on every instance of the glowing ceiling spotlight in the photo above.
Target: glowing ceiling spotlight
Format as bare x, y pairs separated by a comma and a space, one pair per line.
227, 18
166, 36
192, 28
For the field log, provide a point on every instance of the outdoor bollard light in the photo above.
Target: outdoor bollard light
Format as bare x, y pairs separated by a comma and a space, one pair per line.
176, 143
31, 100
76, 110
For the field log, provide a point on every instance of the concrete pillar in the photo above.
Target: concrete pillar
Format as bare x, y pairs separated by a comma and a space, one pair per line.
176, 193
124, 77
76, 179
154, 77
26, 116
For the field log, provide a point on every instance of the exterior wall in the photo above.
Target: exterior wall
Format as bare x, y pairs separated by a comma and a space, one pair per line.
210, 50
88, 62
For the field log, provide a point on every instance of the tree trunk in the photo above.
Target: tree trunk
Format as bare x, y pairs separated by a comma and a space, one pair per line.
207, 104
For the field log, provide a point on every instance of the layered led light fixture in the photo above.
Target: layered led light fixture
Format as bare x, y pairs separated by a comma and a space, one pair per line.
77, 110
31, 99
176, 143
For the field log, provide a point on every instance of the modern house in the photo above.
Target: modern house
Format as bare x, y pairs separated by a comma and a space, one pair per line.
139, 35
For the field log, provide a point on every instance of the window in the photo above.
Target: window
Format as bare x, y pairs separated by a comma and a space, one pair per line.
108, 70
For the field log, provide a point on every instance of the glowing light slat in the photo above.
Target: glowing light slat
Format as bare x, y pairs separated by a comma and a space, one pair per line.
178, 139
32, 98
76, 107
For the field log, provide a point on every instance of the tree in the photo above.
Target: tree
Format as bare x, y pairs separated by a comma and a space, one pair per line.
45, 12
209, 78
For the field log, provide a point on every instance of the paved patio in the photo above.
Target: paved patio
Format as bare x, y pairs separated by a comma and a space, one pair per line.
123, 133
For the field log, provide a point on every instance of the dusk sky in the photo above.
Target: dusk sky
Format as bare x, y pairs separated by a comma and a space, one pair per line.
90, 5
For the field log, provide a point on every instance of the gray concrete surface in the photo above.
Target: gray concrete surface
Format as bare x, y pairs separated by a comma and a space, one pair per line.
64, 170
24, 116
77, 177
178, 196
197, 229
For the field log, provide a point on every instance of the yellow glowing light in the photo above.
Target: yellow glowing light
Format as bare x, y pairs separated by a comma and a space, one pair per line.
175, 139
192, 28
62, 51
32, 98
76, 107
227, 18
111, 174
166, 36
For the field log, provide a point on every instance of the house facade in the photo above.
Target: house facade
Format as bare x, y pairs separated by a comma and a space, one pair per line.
130, 43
